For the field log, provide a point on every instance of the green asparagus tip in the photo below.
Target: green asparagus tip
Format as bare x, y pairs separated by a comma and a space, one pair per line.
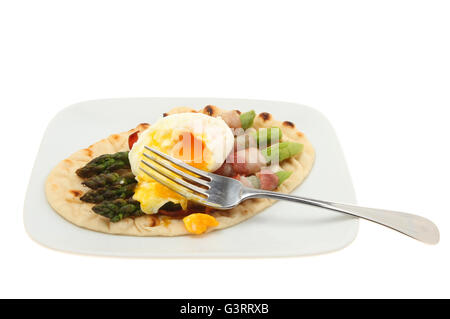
282, 176
247, 119
104, 164
268, 136
281, 151
118, 209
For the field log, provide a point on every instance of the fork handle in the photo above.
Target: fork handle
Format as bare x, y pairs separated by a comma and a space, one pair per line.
411, 225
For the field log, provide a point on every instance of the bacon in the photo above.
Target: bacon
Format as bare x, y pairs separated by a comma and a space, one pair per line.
248, 161
268, 179
232, 119
226, 170
243, 162
132, 139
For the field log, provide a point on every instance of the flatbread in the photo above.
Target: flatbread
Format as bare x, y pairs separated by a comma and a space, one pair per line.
63, 187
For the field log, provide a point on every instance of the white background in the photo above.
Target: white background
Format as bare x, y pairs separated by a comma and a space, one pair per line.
379, 70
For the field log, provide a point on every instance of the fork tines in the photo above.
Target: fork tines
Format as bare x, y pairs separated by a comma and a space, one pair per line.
180, 182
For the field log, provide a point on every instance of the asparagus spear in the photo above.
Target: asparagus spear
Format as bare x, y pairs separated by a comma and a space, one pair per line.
247, 119
106, 179
104, 164
282, 176
262, 137
268, 135
118, 209
281, 151
108, 193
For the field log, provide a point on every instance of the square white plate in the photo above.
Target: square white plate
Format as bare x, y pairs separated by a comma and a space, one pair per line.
285, 229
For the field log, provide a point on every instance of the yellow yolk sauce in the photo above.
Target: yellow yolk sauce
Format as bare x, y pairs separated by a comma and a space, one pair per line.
198, 223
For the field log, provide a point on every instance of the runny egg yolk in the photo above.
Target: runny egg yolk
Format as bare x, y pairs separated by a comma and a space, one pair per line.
193, 151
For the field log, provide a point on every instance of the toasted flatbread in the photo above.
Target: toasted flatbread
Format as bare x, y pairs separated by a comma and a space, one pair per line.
63, 187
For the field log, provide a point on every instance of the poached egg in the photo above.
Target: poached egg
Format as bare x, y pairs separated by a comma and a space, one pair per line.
195, 138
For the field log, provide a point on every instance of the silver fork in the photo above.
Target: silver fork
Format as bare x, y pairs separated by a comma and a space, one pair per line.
224, 193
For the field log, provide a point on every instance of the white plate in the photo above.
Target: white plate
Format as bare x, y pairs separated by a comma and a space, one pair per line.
285, 229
